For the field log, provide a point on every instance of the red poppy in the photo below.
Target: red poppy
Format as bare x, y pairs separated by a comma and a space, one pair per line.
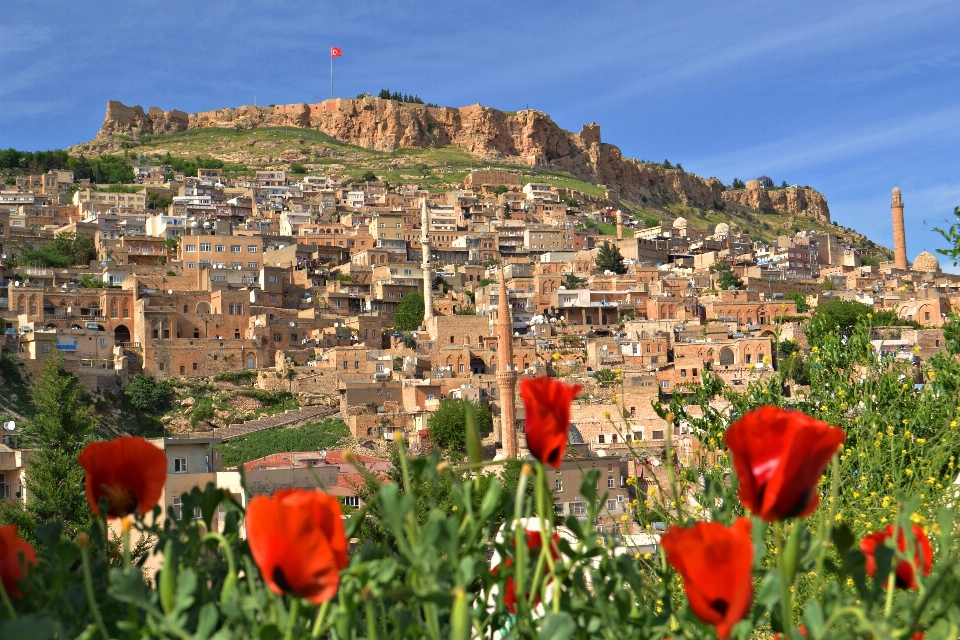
298, 541
779, 457
15, 555
716, 564
534, 547
547, 403
922, 555
128, 472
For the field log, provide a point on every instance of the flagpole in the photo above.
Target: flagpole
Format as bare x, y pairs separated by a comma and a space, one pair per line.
331, 75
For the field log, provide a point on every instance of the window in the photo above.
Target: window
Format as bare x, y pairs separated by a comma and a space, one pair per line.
578, 509
230, 308
344, 365
273, 278
194, 366
277, 337
558, 484
252, 265
46, 347
236, 265
683, 373
221, 248
239, 308
190, 248
611, 505
177, 508
293, 338
610, 482
356, 364
273, 297
219, 278
601, 438
234, 248
179, 465
204, 246
633, 411
749, 356
657, 435
351, 501
190, 265
664, 384
252, 248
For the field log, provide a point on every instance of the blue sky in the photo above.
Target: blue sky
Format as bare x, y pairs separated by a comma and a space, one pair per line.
850, 98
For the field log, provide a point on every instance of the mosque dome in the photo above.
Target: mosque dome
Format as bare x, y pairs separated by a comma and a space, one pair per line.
680, 223
926, 261
722, 229
574, 436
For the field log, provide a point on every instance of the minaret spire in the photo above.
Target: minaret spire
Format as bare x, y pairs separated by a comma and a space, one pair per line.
425, 262
506, 375
899, 233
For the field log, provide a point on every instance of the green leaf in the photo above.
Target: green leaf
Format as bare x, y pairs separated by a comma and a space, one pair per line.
490, 500
813, 618
31, 627
207, 622
843, 538
474, 444
557, 626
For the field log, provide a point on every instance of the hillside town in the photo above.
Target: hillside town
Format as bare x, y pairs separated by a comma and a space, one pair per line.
376, 302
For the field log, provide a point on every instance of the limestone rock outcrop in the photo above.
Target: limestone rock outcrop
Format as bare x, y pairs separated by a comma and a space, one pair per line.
524, 137
798, 200
121, 119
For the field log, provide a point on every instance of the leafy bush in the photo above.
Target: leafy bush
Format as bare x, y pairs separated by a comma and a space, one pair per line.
448, 424
244, 377
202, 410
146, 393
409, 313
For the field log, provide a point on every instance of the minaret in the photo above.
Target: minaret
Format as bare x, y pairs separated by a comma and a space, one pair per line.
506, 376
619, 225
899, 235
425, 263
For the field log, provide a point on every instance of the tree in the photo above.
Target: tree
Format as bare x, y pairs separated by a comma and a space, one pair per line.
146, 393
739, 184
727, 277
951, 235
368, 176
297, 168
667, 165
409, 313
61, 426
800, 299
609, 258
448, 424
501, 188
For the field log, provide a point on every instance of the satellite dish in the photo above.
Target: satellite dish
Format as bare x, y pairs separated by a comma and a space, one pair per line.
336, 324
323, 453
103, 264
169, 292
293, 324
9, 425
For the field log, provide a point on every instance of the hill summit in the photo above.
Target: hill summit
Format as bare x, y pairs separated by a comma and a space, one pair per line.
526, 138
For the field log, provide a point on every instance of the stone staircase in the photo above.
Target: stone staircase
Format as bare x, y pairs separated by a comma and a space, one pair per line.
290, 418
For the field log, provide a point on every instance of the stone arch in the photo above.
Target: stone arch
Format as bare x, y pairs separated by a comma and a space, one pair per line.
250, 360
203, 307
121, 333
727, 356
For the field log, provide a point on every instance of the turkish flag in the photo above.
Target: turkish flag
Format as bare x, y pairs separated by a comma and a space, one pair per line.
335, 52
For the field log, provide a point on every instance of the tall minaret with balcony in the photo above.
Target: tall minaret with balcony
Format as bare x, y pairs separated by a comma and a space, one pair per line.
425, 263
506, 374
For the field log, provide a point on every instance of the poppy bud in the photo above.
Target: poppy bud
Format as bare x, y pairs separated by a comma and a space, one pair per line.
547, 402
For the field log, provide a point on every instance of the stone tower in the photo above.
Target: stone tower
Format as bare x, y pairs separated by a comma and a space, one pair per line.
425, 262
899, 235
506, 375
619, 225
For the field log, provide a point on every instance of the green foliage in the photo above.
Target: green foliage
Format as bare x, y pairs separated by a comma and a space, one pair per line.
244, 377
409, 313
297, 168
484, 282
313, 436
787, 348
159, 201
448, 424
386, 94
343, 277
795, 367
103, 170
500, 189
606, 377
146, 393
202, 410
727, 277
802, 305
33, 162
190, 167
951, 235
609, 258
575, 282
368, 176
738, 184
67, 250
465, 310
61, 426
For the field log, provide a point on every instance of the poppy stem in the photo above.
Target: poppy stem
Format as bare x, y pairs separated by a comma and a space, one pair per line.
292, 617
6, 602
91, 599
318, 622
230, 582
519, 538
826, 528
786, 595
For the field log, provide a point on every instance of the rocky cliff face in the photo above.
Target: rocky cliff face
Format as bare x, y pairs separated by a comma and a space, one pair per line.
799, 200
524, 137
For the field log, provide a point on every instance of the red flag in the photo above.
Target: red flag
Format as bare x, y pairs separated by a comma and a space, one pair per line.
335, 52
